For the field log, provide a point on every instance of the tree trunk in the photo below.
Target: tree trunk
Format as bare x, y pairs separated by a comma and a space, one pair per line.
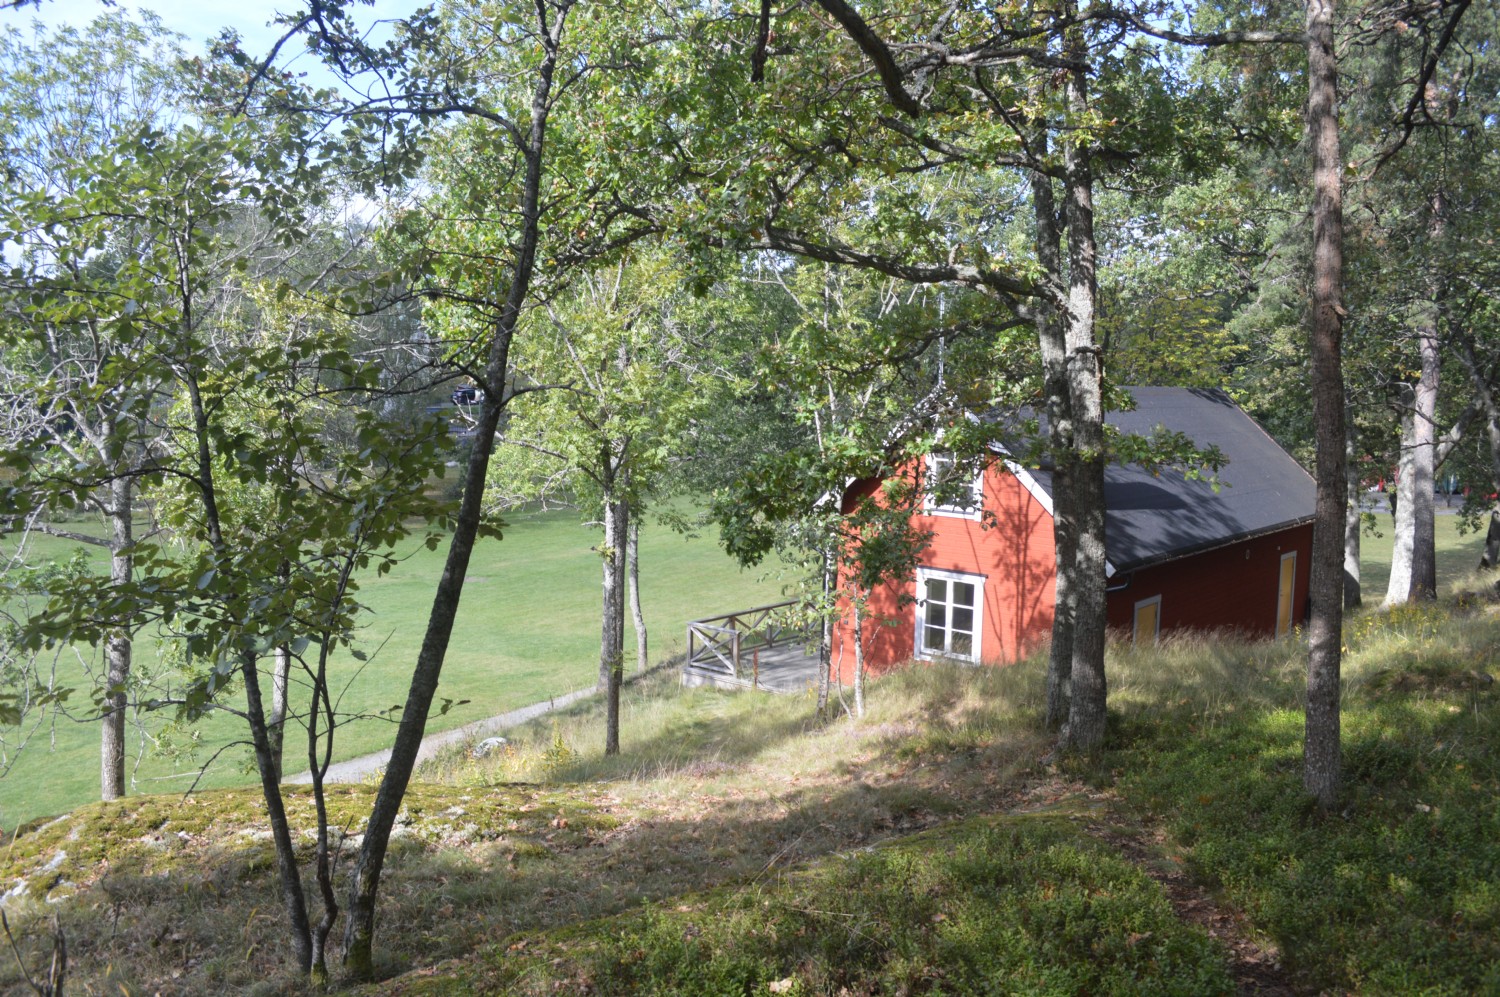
364, 886
825, 636
1322, 763
1491, 555
1424, 538
1414, 559
1489, 406
1052, 341
612, 629
281, 671
320, 706
633, 587
1086, 711
1403, 528
286, 854
1087, 703
117, 650
1352, 520
859, 656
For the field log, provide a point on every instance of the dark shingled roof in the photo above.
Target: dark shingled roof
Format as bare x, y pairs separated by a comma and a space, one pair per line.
1155, 518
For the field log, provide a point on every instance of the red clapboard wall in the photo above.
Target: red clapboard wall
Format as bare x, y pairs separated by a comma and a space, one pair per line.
1232, 587
1011, 546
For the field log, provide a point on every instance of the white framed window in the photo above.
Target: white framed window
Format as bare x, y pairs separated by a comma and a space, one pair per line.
950, 611
1147, 621
942, 472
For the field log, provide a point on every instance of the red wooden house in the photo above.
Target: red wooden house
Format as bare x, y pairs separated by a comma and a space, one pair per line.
1180, 554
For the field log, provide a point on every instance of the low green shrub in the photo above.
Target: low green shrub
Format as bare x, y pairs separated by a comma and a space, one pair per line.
1390, 893
1012, 904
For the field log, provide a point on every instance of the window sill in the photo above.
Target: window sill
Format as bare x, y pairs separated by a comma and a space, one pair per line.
953, 513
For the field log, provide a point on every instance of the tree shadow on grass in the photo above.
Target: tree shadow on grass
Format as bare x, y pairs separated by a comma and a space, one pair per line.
747, 824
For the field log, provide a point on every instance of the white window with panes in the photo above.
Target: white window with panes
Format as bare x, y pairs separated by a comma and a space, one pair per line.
949, 610
953, 489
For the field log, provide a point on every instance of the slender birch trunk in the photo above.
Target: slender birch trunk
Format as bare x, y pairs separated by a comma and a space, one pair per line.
612, 627
281, 672
633, 590
859, 656
1424, 534
1352, 521
1403, 526
117, 650
825, 636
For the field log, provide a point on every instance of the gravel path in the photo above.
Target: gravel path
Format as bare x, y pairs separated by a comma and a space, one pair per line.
362, 768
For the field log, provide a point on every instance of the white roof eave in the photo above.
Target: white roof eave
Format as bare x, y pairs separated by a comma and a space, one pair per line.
1043, 499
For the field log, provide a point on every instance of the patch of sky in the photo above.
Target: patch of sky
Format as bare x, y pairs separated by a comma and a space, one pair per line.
201, 21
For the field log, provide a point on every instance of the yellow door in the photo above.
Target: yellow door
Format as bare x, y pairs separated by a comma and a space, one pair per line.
1147, 620
1284, 593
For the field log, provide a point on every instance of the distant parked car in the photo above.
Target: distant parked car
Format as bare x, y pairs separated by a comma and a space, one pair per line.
467, 396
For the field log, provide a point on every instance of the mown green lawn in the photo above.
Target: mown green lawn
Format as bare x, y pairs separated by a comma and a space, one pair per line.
1457, 554
528, 628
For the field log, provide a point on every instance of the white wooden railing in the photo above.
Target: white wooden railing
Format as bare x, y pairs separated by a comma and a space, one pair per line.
732, 644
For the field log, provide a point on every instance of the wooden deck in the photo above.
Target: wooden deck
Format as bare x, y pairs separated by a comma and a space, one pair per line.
788, 668
750, 649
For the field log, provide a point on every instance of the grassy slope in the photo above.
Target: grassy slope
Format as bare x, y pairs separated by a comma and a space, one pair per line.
733, 846
745, 835
736, 805
1396, 891
1393, 894
528, 629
